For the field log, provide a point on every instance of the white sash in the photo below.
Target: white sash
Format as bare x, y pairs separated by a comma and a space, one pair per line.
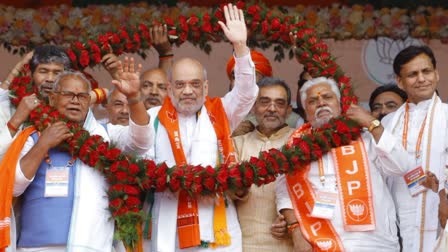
203, 151
91, 226
433, 148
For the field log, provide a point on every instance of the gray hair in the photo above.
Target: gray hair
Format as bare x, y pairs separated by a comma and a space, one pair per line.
75, 74
315, 81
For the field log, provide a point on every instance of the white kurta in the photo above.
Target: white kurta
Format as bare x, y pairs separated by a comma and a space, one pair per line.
90, 200
410, 209
385, 158
200, 146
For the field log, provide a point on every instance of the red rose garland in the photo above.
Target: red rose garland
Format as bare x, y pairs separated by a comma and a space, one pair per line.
129, 176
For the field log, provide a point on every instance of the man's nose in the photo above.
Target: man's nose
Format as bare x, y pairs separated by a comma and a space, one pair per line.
321, 102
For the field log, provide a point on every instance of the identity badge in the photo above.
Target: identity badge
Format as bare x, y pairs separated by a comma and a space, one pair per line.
324, 205
56, 181
413, 178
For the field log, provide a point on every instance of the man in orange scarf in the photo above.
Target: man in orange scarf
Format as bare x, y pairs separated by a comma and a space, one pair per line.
341, 202
191, 128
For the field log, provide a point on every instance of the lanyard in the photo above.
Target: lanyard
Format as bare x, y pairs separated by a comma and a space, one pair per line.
404, 139
320, 164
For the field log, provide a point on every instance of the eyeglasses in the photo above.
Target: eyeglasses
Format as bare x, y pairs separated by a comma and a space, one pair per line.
82, 97
183, 84
266, 102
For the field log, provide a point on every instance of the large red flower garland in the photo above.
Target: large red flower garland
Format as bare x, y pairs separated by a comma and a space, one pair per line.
129, 176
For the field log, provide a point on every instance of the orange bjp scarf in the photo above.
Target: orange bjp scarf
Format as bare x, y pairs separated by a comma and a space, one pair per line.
7, 176
188, 218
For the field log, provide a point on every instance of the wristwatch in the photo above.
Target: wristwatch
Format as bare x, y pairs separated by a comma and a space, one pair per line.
375, 123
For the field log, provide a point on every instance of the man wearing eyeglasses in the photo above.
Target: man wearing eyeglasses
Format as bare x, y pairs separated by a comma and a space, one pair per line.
271, 109
191, 128
64, 201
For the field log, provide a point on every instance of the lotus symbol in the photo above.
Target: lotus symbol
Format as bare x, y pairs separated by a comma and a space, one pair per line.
357, 210
325, 245
388, 48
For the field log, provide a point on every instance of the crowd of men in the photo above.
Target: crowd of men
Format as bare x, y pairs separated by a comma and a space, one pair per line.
382, 192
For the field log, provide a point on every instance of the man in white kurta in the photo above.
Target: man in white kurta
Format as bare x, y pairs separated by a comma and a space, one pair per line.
187, 91
421, 125
386, 157
91, 227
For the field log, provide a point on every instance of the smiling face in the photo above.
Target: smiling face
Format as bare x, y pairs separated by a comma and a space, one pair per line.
71, 98
271, 109
321, 104
44, 76
154, 84
188, 87
118, 108
418, 78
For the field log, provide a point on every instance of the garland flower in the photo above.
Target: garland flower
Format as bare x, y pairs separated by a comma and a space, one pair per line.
22, 29
128, 176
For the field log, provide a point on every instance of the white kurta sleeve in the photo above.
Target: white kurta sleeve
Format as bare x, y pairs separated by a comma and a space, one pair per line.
21, 182
133, 139
282, 196
389, 155
239, 101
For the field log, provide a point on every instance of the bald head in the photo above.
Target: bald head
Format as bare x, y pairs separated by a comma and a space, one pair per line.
154, 84
185, 67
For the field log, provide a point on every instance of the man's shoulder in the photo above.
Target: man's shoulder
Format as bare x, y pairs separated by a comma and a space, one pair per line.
153, 113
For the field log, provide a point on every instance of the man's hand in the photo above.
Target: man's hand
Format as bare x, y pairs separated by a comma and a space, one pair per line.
16, 70
111, 63
243, 128
443, 208
235, 29
293, 38
128, 78
278, 229
54, 135
160, 40
364, 118
26, 105
361, 115
431, 182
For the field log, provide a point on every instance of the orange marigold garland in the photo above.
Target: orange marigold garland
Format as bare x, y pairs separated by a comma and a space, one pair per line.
128, 176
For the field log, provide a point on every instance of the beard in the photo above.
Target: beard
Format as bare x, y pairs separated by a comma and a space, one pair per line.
188, 109
320, 121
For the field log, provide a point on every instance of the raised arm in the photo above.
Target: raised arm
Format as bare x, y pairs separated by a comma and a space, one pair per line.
240, 100
162, 44
129, 84
136, 137
391, 157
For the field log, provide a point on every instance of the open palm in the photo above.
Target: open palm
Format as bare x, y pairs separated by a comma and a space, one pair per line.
235, 26
128, 78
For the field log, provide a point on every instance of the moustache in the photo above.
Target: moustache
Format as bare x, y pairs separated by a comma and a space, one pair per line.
322, 109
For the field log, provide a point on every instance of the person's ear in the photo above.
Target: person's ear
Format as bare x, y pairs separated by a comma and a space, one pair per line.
398, 79
289, 110
205, 87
